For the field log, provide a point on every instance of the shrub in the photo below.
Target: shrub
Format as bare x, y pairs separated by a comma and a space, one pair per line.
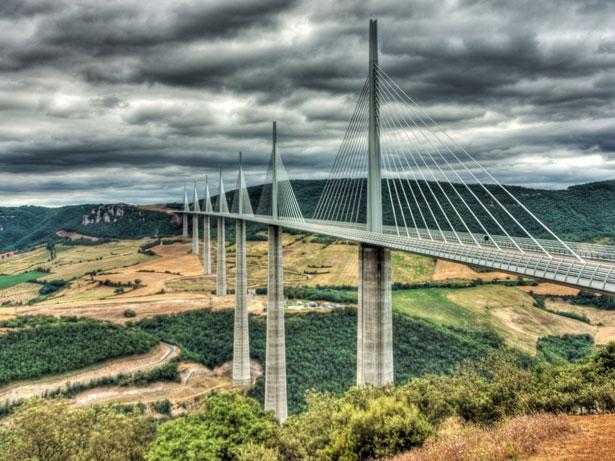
365, 423
220, 431
129, 313
162, 406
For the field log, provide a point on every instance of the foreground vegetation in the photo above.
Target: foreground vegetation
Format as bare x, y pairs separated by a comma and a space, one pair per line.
478, 410
321, 347
40, 345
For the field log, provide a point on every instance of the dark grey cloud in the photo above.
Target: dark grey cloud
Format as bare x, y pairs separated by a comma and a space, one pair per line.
127, 100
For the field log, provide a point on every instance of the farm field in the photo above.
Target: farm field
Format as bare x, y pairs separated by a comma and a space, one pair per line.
8, 281
170, 280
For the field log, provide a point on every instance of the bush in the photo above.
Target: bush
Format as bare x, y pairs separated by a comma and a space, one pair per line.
365, 423
129, 313
162, 406
52, 286
565, 348
220, 431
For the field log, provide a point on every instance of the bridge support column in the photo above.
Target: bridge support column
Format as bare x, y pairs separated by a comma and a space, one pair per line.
241, 339
184, 225
195, 234
275, 366
375, 317
221, 260
206, 246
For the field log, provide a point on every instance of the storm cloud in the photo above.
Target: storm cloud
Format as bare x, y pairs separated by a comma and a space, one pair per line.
130, 100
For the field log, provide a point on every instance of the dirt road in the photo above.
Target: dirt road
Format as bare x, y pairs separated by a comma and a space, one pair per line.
28, 389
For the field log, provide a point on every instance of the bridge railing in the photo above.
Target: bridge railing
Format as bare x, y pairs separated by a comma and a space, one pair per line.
562, 269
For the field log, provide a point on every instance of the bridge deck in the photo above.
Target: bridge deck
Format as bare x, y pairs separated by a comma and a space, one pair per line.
597, 272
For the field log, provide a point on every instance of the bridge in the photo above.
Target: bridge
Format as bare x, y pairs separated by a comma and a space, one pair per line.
398, 182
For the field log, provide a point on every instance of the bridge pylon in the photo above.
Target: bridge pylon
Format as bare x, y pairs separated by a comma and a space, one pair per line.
221, 242
185, 216
241, 335
195, 222
374, 312
275, 364
207, 230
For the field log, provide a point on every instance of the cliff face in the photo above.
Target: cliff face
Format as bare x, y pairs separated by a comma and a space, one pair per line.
103, 213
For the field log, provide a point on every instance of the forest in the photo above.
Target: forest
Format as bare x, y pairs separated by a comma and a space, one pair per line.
320, 348
40, 345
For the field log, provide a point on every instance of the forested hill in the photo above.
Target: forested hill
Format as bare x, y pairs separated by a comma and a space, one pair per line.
584, 212
26, 226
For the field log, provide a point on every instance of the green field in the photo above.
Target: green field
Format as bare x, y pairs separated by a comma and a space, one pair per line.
7, 281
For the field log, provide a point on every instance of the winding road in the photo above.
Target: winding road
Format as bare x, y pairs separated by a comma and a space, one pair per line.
126, 365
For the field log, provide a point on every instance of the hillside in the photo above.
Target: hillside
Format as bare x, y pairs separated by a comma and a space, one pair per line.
576, 213
24, 227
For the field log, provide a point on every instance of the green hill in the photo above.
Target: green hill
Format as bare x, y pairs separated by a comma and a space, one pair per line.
24, 227
579, 213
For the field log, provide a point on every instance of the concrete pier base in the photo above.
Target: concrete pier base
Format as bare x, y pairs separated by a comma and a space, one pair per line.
375, 317
275, 365
241, 336
206, 246
184, 225
195, 235
221, 260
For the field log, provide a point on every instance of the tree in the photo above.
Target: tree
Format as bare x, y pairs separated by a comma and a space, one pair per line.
220, 431
51, 431
51, 248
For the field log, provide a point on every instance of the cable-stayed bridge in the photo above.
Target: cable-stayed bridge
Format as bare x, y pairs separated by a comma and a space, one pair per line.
400, 182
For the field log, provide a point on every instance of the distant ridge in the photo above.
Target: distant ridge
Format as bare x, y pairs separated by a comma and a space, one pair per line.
583, 212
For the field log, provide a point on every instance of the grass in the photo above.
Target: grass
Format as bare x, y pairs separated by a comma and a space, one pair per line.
505, 310
7, 281
434, 304
517, 438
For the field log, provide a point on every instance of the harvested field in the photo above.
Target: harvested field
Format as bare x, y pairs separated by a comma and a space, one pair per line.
601, 319
550, 289
447, 270
19, 294
24, 390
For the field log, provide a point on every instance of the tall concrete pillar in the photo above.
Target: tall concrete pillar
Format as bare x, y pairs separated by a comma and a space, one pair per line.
221, 260
241, 338
375, 317
195, 234
275, 365
184, 216
206, 245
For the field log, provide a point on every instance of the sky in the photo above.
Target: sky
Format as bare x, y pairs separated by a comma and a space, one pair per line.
127, 101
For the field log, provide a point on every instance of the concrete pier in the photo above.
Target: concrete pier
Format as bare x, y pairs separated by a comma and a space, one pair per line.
206, 246
221, 260
184, 225
375, 317
275, 365
241, 338
195, 234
